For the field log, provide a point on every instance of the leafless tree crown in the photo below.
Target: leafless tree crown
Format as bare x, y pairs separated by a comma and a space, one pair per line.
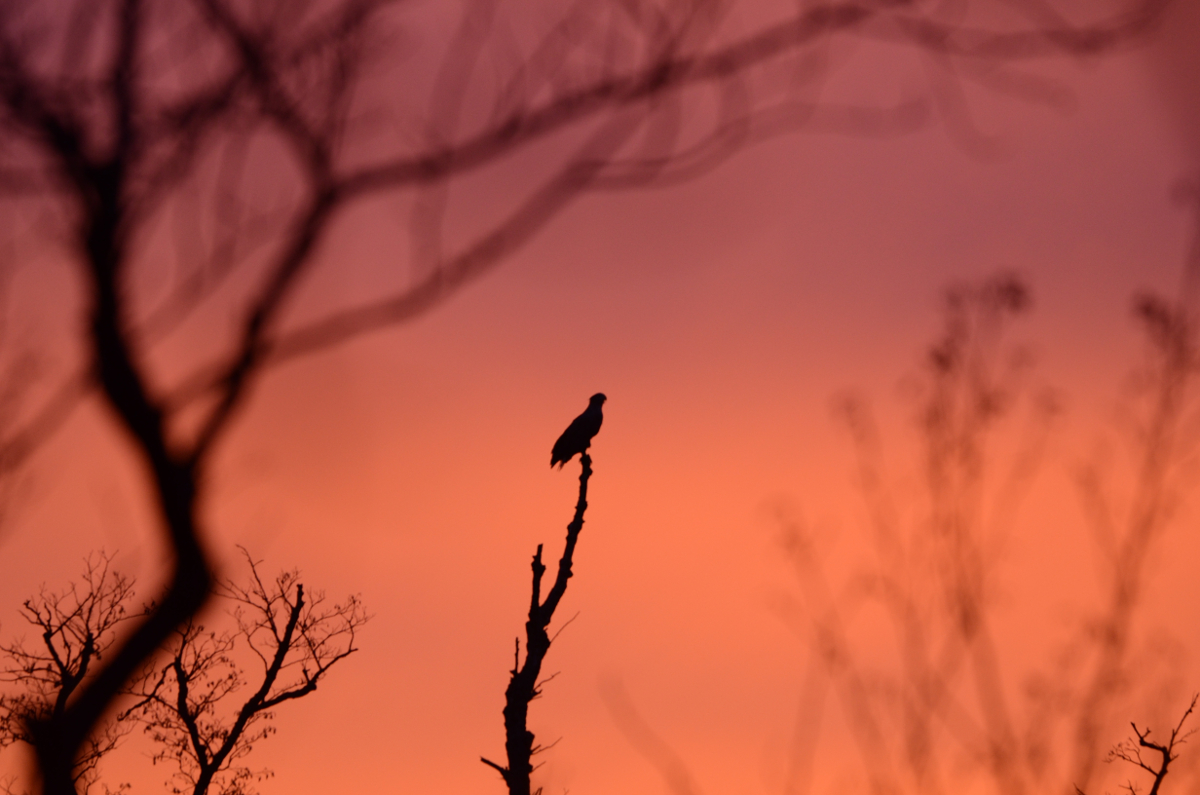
76, 628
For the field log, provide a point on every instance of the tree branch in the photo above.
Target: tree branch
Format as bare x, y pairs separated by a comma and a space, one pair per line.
523, 683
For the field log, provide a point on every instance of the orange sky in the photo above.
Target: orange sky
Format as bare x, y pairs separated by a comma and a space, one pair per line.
721, 318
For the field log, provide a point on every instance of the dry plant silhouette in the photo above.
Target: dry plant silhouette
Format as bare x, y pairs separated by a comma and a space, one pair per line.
200, 707
940, 711
525, 683
1131, 751
122, 120
76, 627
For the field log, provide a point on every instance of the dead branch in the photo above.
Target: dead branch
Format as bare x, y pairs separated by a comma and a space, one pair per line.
523, 685
1130, 750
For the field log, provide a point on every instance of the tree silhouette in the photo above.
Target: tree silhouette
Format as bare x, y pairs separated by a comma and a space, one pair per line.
192, 700
76, 627
193, 706
117, 116
524, 684
1130, 750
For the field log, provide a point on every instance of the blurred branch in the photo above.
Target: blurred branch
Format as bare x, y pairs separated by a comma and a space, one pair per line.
1170, 328
933, 574
645, 740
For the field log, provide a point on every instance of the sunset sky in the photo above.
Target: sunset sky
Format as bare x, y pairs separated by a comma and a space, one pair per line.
722, 317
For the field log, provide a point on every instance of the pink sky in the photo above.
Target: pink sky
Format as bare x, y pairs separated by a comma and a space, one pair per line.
721, 318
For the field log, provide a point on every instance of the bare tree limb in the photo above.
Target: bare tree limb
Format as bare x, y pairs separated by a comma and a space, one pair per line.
1131, 751
524, 678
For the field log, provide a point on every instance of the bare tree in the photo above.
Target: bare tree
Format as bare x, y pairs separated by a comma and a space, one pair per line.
948, 687
117, 114
1130, 751
76, 627
196, 702
525, 683
195, 706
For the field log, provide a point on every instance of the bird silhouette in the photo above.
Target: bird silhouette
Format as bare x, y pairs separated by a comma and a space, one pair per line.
577, 438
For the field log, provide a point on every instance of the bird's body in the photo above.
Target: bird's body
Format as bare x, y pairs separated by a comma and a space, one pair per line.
577, 438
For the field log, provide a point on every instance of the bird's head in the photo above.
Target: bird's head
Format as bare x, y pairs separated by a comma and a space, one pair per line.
597, 399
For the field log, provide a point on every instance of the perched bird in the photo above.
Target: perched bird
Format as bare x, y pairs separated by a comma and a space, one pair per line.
577, 438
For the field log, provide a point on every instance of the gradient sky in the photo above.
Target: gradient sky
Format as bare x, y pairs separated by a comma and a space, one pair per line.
721, 318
